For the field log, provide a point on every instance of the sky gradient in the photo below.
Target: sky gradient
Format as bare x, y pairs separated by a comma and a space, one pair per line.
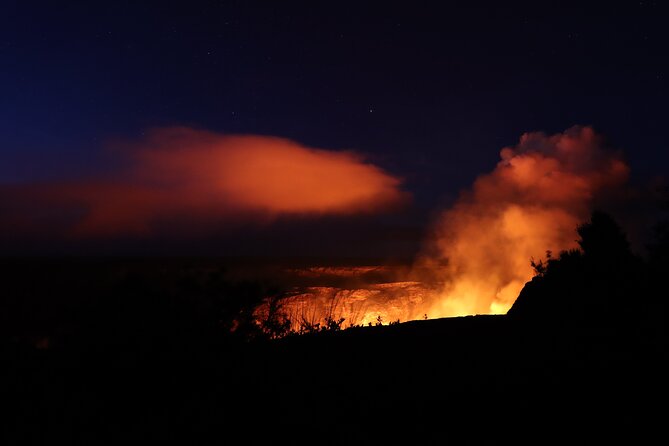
427, 96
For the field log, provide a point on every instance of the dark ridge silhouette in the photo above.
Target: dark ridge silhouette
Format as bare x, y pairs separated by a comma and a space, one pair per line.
603, 283
166, 351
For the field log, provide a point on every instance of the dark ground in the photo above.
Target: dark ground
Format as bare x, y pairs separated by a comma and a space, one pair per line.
475, 379
90, 370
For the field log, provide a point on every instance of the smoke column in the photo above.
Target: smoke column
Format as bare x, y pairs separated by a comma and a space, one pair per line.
532, 202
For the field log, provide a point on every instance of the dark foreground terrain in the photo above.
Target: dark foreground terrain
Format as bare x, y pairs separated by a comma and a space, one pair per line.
155, 352
472, 379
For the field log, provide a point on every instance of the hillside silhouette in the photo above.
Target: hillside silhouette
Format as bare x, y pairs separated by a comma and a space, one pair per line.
167, 351
595, 285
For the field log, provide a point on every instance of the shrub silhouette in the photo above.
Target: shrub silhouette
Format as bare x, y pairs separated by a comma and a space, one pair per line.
599, 284
658, 257
125, 307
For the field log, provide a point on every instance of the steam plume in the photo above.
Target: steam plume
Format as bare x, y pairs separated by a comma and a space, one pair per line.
530, 203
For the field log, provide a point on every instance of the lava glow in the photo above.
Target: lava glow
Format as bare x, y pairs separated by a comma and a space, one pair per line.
372, 304
478, 258
530, 203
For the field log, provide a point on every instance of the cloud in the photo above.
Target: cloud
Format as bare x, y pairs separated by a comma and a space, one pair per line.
180, 178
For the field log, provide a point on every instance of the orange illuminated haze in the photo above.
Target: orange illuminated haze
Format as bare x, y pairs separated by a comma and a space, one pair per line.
182, 180
477, 256
530, 203
177, 171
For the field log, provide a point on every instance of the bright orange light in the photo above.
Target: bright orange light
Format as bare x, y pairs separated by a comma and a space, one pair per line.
532, 202
479, 256
180, 177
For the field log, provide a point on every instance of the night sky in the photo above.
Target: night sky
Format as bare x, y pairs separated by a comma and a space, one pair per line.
429, 94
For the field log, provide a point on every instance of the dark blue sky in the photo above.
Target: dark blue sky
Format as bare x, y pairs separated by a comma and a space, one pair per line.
429, 93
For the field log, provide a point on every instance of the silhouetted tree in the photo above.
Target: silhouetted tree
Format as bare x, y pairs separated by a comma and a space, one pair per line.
275, 324
658, 249
658, 258
130, 308
599, 285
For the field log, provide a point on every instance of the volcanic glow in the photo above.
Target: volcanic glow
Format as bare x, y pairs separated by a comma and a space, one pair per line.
532, 202
193, 179
376, 303
361, 295
476, 258
479, 254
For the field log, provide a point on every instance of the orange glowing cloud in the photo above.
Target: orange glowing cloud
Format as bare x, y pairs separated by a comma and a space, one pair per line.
478, 258
178, 176
530, 203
